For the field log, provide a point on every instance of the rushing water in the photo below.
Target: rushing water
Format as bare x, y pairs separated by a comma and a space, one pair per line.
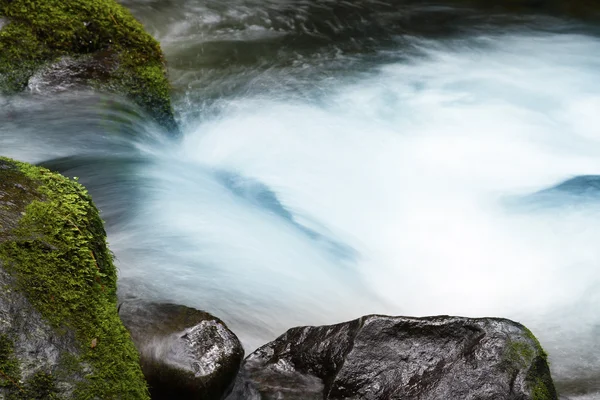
344, 158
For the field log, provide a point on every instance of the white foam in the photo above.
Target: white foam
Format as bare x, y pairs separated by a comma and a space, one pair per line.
391, 194
411, 168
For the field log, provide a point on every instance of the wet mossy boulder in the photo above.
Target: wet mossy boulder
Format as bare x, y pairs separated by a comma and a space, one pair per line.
97, 43
186, 354
60, 333
386, 358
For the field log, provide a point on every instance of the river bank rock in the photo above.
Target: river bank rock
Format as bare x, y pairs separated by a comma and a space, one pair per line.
60, 334
185, 353
94, 43
379, 357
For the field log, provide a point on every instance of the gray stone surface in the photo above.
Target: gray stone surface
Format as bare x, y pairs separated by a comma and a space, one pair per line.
38, 347
384, 358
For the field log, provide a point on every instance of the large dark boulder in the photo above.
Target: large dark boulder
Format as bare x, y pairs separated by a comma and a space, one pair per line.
60, 334
384, 358
185, 353
55, 45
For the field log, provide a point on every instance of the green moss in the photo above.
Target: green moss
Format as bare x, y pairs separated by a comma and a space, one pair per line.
520, 354
538, 376
538, 346
41, 386
541, 391
529, 354
22, 54
10, 373
143, 77
540, 381
43, 31
58, 255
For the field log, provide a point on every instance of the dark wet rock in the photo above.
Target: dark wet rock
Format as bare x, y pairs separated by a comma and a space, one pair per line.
60, 334
73, 73
185, 353
378, 357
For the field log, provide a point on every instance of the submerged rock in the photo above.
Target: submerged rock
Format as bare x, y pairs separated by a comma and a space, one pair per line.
378, 357
185, 353
97, 43
584, 185
60, 334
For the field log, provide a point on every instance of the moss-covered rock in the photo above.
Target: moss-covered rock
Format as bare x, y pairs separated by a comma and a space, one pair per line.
109, 47
60, 334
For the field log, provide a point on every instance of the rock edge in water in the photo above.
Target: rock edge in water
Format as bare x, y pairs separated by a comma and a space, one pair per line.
380, 357
60, 334
99, 43
186, 354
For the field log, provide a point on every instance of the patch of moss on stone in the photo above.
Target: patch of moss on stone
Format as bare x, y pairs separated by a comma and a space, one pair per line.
58, 255
22, 54
39, 32
41, 386
530, 354
537, 343
541, 392
10, 373
540, 381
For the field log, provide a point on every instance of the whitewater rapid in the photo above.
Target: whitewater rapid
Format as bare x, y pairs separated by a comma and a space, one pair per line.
408, 190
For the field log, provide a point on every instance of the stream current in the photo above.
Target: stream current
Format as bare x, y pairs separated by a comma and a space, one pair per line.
344, 158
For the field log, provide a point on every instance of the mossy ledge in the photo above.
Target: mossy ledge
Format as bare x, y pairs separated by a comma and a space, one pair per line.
130, 60
528, 352
57, 254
